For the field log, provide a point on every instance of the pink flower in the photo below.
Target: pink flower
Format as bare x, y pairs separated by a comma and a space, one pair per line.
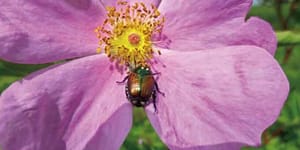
222, 85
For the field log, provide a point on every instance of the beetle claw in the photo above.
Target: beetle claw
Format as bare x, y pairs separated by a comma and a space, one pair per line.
155, 111
162, 93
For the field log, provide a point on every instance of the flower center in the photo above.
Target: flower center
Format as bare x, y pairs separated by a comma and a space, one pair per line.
125, 34
134, 39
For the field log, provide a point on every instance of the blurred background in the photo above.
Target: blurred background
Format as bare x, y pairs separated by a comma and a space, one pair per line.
284, 15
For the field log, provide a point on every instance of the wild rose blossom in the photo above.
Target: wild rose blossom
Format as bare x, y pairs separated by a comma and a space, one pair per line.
222, 85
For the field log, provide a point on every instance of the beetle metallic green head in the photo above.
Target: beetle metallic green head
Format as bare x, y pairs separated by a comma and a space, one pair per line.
142, 70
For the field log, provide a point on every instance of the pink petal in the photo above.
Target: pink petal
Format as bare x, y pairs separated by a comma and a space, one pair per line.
218, 98
147, 2
73, 106
212, 24
40, 31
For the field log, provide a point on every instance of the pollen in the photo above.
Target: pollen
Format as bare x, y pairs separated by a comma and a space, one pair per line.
125, 34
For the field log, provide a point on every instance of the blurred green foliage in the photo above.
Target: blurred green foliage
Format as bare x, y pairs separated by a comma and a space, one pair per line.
288, 38
10, 72
142, 135
283, 135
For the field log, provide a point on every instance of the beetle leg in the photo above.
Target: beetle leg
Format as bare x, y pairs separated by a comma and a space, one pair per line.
154, 101
123, 80
157, 89
156, 73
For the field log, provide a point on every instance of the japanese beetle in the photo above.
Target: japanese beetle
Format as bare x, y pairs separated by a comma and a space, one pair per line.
141, 86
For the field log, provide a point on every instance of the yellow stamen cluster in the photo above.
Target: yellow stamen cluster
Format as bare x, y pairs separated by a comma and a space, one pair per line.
126, 33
